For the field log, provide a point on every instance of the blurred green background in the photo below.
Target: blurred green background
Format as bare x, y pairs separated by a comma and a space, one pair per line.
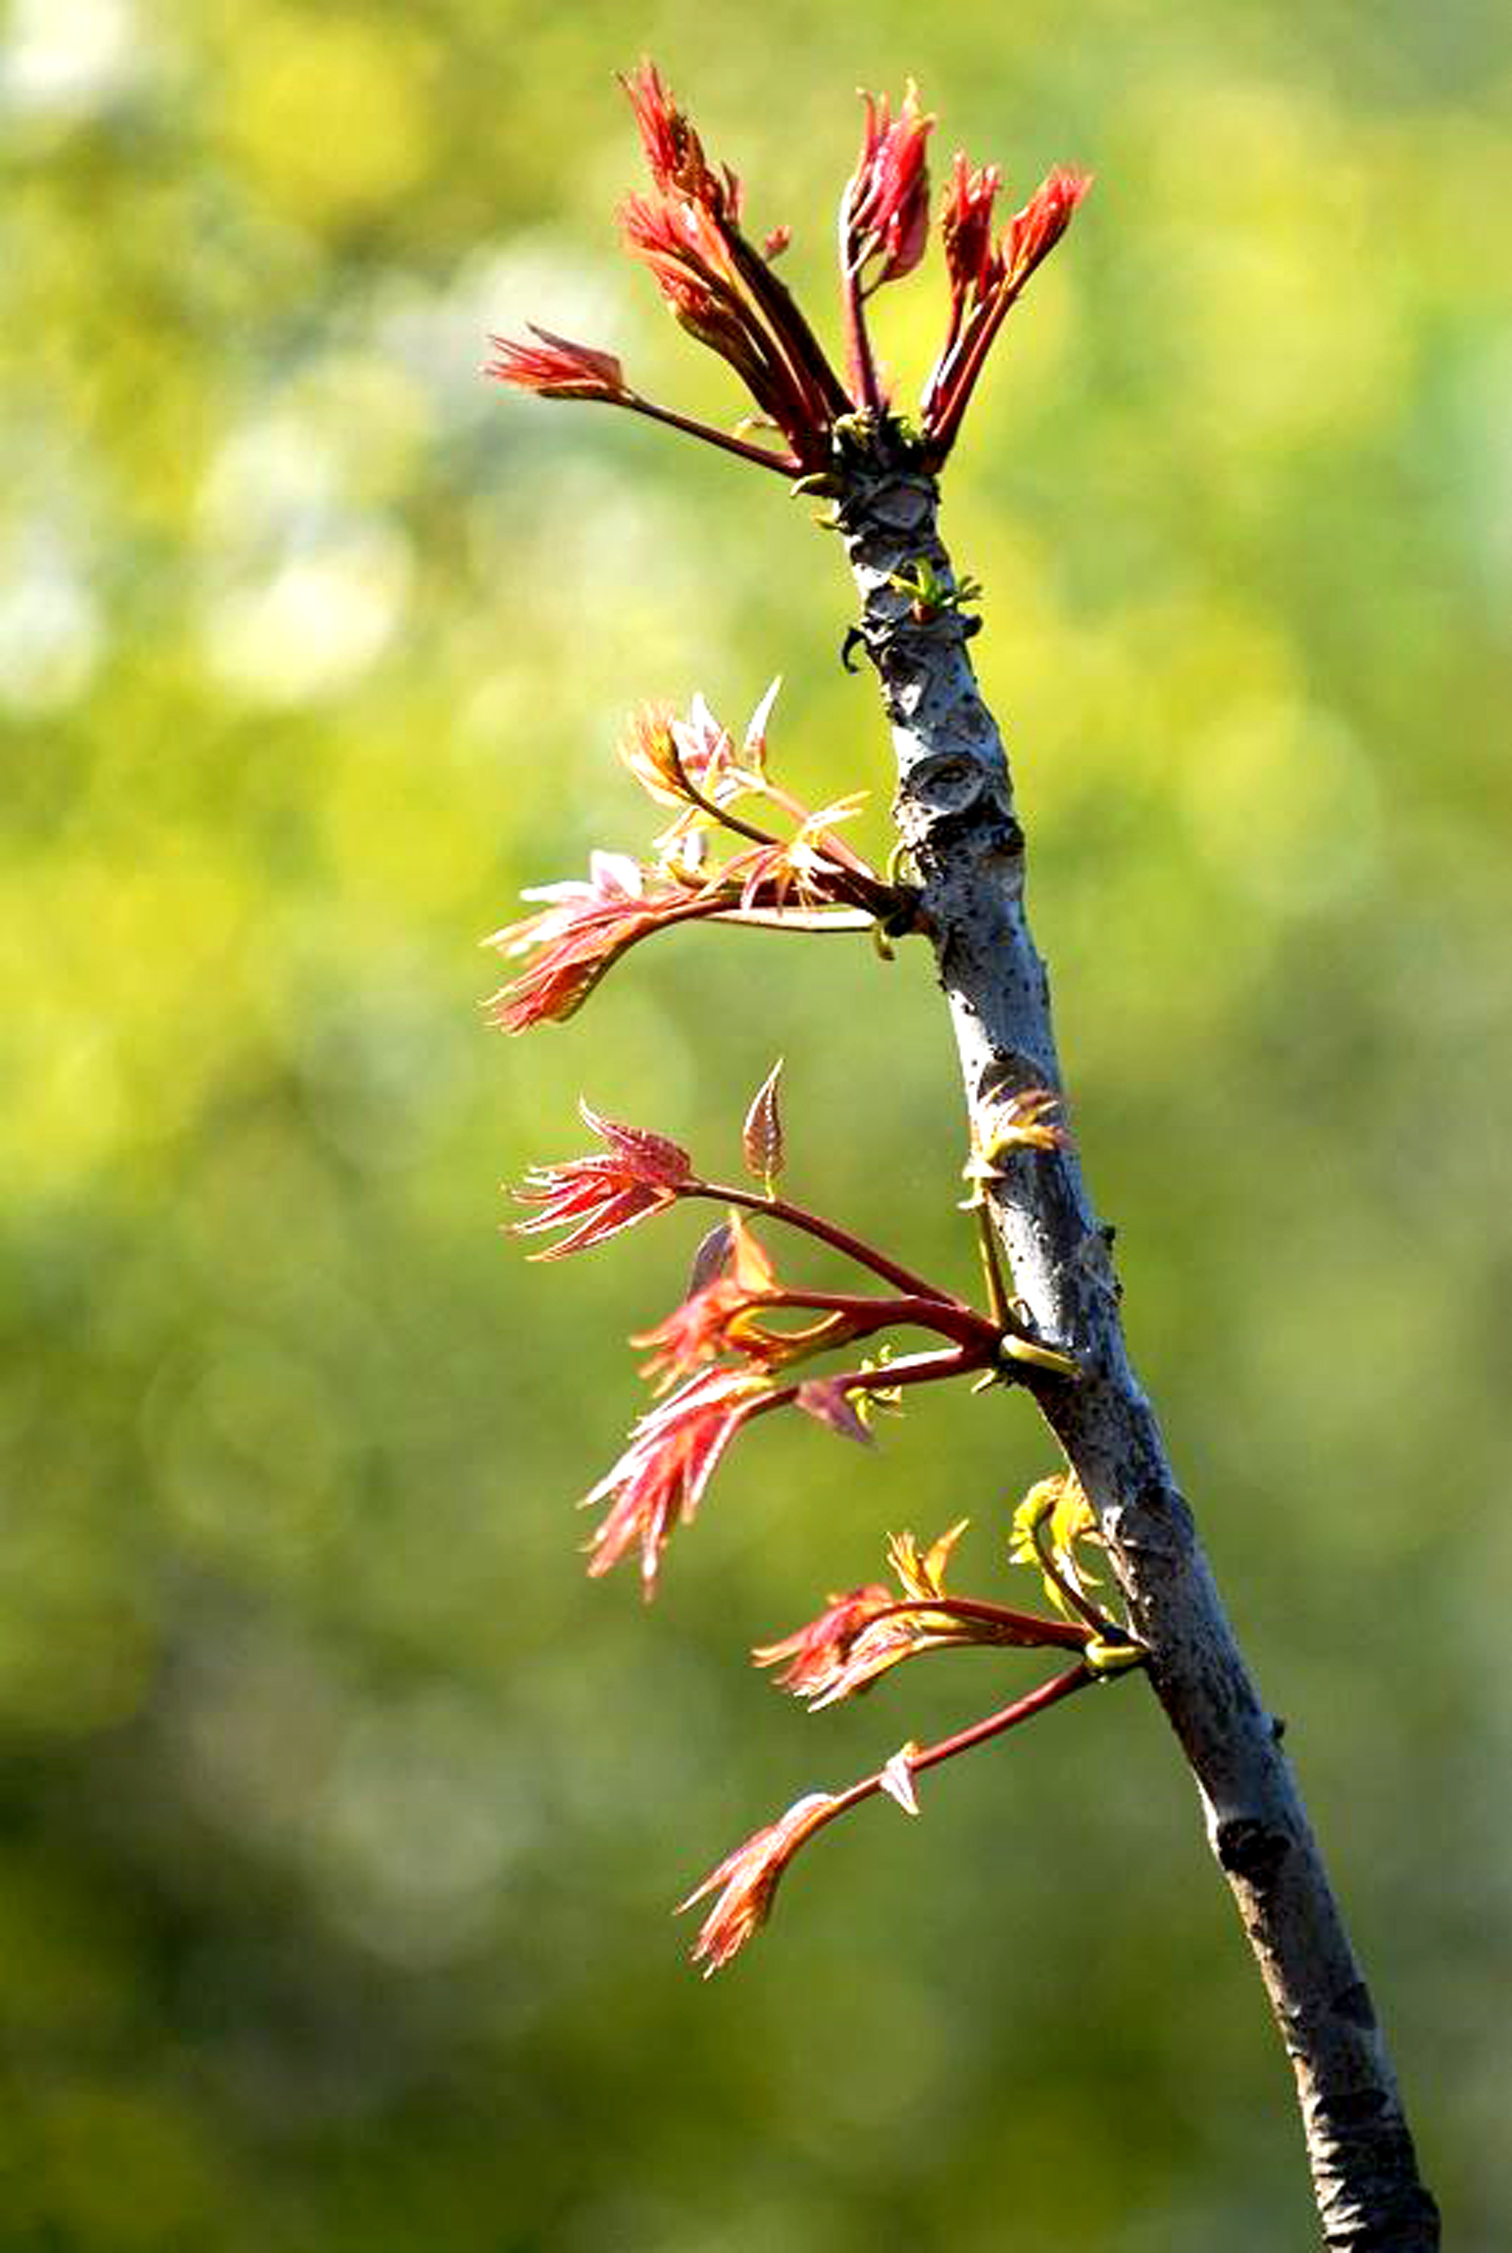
341, 1814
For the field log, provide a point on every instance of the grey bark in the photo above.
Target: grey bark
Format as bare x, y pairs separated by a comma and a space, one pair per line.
955, 812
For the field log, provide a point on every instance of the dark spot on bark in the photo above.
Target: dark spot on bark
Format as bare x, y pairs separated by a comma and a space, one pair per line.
1354, 2004
1217, 1690
947, 783
1157, 1523
873, 550
1369, 2197
1356, 2108
904, 507
901, 668
1159, 1497
1252, 1850
972, 717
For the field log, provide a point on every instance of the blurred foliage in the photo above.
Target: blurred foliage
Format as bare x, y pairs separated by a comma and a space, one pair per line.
341, 1815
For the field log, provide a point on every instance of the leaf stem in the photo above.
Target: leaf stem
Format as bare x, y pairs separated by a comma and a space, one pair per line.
1107, 1630
1063, 1632
997, 1724
962, 1325
858, 349
826, 1232
786, 465
798, 919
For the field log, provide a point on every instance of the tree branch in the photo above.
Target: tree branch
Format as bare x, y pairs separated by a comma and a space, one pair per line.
955, 812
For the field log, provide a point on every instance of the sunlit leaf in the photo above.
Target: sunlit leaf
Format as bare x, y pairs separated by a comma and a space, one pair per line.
761, 1136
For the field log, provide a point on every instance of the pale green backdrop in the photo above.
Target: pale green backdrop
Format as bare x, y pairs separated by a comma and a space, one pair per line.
342, 1816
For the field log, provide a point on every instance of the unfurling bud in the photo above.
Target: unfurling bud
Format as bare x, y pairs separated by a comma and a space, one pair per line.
986, 279
966, 227
886, 203
557, 368
674, 153
746, 1882
720, 285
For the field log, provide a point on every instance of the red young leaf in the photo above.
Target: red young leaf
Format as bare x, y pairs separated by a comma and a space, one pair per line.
558, 368
745, 1883
761, 1136
814, 1654
885, 209
711, 1260
642, 1153
828, 1402
593, 1198
661, 1476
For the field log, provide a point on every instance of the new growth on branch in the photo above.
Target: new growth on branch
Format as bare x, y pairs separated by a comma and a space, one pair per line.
745, 1339
741, 849
723, 290
723, 1357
